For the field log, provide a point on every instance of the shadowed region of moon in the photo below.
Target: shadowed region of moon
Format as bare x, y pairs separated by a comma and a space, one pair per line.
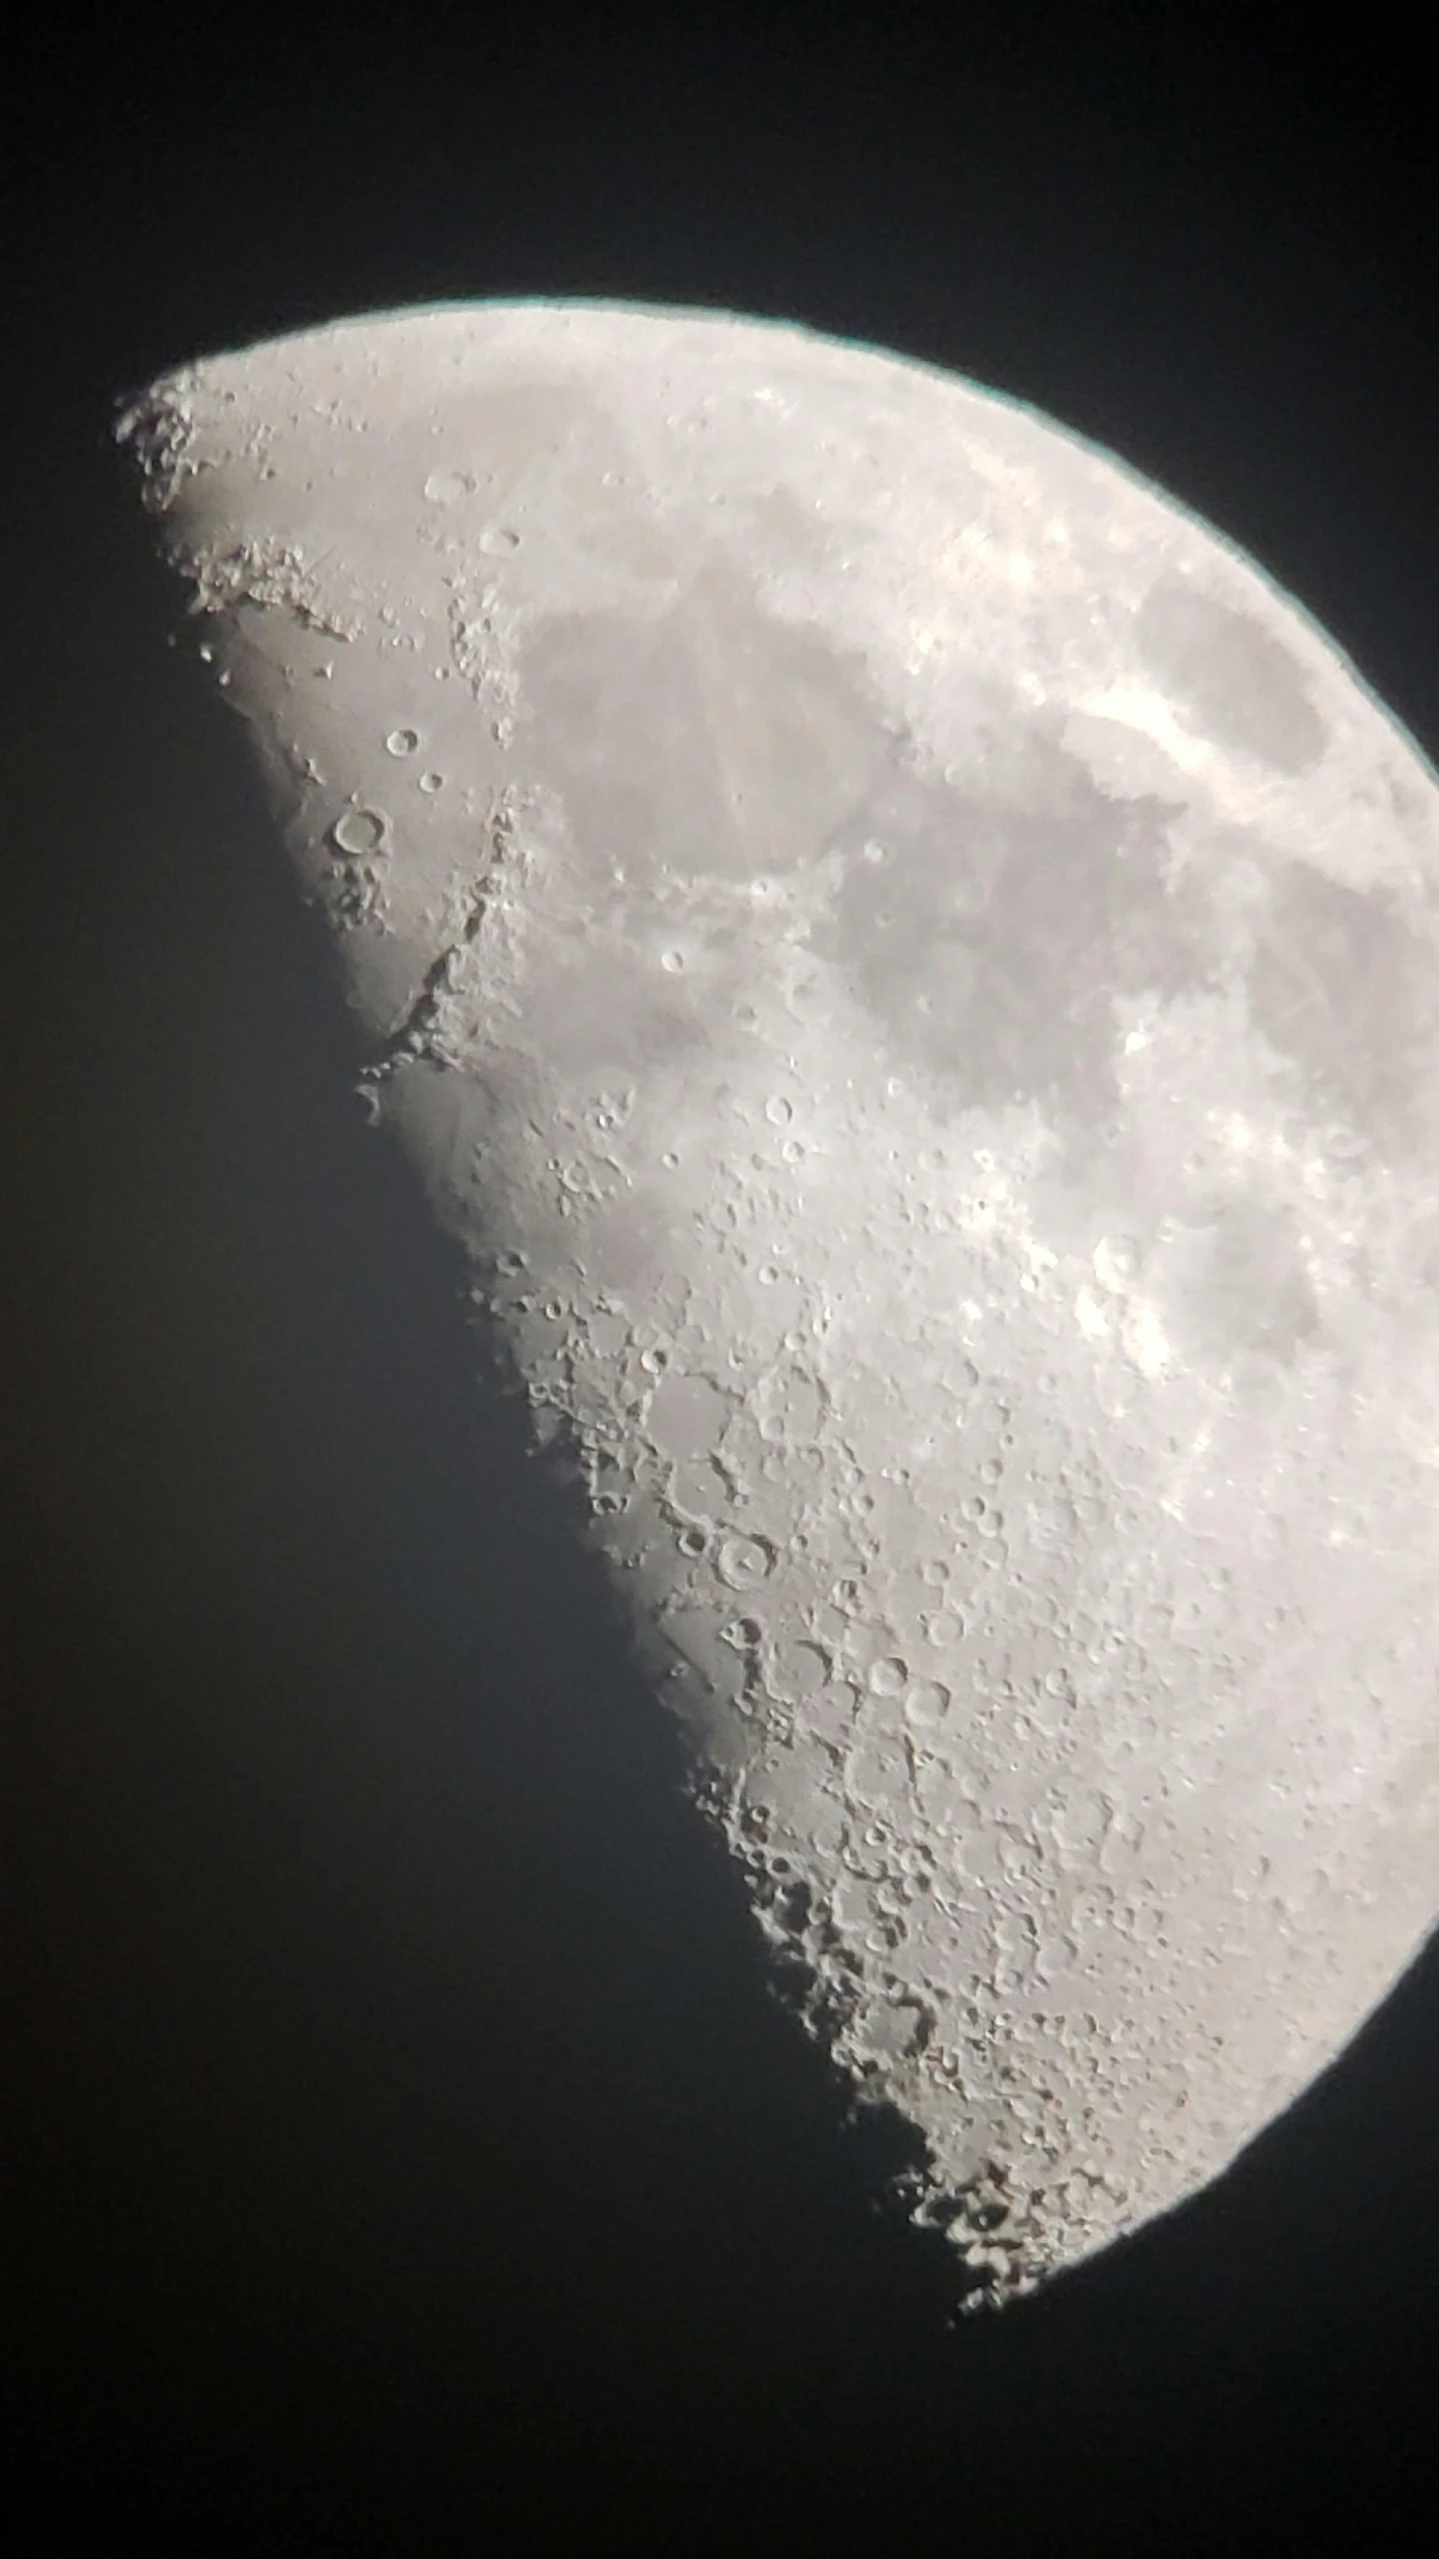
911, 971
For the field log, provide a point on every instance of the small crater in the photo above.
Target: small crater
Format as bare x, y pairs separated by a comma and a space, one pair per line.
801, 1670
888, 1675
926, 1703
687, 1414
743, 1562
358, 831
698, 1488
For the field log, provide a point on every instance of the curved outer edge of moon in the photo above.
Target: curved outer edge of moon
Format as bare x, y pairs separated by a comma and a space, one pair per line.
910, 967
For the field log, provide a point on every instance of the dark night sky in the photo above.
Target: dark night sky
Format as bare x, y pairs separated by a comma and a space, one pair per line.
402, 2150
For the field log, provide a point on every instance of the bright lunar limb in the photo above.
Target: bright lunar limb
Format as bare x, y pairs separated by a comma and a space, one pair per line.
914, 973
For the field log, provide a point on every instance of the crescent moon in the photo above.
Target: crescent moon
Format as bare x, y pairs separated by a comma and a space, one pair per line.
913, 972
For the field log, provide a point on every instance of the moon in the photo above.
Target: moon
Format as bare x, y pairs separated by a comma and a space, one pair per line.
912, 971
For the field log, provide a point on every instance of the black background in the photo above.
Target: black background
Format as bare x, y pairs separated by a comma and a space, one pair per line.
402, 2151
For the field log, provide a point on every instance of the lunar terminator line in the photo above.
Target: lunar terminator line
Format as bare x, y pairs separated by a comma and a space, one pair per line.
913, 972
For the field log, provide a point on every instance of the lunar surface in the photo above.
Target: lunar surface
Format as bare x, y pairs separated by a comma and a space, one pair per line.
913, 973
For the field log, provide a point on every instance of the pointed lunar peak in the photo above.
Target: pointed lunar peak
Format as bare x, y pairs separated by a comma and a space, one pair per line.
914, 974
